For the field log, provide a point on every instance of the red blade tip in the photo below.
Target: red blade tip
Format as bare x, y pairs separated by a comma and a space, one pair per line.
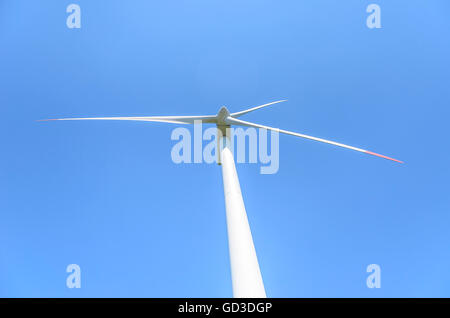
385, 157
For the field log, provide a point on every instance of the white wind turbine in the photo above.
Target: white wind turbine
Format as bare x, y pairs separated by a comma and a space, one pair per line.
246, 276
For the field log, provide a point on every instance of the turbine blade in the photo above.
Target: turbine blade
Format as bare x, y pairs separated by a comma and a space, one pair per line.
234, 121
239, 114
163, 119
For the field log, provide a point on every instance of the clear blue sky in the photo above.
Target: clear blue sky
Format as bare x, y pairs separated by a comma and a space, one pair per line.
106, 195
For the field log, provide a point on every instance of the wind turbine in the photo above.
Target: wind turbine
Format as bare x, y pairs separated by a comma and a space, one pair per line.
246, 275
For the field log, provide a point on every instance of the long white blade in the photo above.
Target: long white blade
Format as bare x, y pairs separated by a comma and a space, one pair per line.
239, 114
163, 119
234, 121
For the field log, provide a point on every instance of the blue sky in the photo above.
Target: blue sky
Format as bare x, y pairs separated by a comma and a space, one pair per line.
107, 196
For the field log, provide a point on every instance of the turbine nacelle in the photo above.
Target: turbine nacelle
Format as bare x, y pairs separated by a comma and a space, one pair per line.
222, 115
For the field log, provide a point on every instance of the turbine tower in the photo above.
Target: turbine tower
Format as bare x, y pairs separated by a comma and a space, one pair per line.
245, 273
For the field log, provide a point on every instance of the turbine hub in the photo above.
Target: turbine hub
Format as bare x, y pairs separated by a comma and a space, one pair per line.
222, 115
